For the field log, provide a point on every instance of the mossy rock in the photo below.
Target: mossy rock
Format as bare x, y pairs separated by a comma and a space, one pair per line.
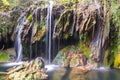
74, 62
117, 61
39, 34
4, 57
61, 59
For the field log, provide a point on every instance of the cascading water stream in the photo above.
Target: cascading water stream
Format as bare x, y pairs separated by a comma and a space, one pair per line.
96, 44
18, 43
97, 5
49, 31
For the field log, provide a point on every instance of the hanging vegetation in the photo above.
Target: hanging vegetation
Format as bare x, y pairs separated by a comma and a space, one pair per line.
96, 22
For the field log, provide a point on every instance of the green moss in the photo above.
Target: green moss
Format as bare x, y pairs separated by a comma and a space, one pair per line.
106, 64
115, 12
114, 37
3, 57
117, 61
84, 48
42, 23
30, 17
65, 36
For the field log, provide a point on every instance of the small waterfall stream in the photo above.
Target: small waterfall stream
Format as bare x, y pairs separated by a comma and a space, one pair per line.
96, 44
49, 31
18, 43
97, 5
55, 72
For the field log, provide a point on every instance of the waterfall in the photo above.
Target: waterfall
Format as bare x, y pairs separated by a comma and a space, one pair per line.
96, 44
97, 5
18, 43
49, 31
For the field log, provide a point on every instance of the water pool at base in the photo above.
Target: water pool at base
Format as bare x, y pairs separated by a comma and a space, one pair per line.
75, 74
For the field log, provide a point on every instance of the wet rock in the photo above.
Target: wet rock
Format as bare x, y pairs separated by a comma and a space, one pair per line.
70, 59
61, 59
78, 60
10, 51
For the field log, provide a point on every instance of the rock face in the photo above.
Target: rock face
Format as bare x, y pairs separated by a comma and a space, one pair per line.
78, 60
66, 20
10, 52
8, 22
70, 59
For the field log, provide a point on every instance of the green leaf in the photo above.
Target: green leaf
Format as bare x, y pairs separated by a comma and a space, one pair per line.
30, 17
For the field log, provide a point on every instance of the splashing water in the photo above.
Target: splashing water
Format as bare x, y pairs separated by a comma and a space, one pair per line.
49, 31
11, 64
102, 69
18, 44
51, 67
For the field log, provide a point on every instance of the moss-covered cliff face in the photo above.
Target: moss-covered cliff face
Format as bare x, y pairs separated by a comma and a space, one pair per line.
92, 28
10, 11
114, 35
7, 27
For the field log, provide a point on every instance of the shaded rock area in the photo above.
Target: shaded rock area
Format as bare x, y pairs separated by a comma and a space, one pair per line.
10, 52
8, 22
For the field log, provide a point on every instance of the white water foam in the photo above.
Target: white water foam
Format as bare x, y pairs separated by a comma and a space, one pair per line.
102, 69
11, 64
51, 67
